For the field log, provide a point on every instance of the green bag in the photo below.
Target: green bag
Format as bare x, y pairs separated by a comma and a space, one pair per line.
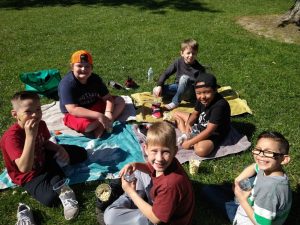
44, 82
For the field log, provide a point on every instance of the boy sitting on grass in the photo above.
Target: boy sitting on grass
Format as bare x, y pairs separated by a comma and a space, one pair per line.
162, 192
31, 159
85, 100
269, 199
187, 70
209, 124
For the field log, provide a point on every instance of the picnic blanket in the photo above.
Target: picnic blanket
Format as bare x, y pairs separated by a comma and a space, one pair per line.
144, 100
232, 144
106, 155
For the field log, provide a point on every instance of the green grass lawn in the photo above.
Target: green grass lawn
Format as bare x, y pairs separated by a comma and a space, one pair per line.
126, 38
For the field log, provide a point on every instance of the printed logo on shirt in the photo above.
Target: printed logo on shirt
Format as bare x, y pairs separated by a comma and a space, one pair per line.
202, 120
88, 98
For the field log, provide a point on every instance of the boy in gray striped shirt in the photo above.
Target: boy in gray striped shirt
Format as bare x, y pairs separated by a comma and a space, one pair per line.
270, 199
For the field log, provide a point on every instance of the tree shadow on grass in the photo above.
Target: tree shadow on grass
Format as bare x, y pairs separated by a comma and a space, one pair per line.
204, 212
155, 5
295, 209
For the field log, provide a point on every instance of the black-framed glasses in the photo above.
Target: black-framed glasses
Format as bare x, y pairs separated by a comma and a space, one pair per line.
268, 154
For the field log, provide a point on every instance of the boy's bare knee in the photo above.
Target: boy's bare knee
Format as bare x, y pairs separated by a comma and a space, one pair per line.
204, 149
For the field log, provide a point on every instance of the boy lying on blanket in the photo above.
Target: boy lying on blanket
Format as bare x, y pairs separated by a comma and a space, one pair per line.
32, 160
209, 124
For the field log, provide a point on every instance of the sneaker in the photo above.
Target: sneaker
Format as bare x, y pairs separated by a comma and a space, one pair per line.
115, 85
130, 83
171, 106
68, 199
24, 215
156, 111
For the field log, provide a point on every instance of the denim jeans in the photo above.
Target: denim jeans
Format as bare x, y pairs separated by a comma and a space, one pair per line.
184, 90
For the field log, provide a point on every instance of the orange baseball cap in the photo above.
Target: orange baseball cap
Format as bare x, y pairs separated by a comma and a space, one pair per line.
82, 56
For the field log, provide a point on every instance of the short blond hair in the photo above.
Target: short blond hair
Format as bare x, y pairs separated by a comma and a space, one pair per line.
163, 134
189, 43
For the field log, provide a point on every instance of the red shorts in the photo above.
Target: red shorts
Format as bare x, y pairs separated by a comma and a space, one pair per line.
81, 123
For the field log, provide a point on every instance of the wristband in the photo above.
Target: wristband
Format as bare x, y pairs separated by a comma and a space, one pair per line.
109, 111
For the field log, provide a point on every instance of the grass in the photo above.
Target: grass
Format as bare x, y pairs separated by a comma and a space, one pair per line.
126, 38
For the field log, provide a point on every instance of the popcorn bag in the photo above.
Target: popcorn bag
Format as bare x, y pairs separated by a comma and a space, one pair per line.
194, 166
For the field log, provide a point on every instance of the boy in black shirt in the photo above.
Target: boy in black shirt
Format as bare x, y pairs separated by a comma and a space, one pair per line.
210, 119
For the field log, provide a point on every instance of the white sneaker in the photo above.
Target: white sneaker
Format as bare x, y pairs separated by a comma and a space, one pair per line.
171, 106
68, 199
24, 215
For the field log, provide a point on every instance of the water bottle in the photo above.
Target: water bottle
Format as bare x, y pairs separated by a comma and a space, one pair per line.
245, 184
129, 177
150, 74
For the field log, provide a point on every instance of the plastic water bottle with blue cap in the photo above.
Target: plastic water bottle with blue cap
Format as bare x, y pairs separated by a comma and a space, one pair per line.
150, 74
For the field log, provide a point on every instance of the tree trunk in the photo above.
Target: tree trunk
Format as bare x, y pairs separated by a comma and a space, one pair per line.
292, 16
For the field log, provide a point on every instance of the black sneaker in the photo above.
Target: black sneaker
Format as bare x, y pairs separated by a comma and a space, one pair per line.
130, 83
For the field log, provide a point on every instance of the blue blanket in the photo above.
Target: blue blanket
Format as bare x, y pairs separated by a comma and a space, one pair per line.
106, 155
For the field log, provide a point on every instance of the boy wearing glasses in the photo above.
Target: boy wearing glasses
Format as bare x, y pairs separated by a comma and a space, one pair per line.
270, 198
161, 193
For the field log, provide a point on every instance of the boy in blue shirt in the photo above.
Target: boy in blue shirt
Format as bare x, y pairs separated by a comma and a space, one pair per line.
85, 99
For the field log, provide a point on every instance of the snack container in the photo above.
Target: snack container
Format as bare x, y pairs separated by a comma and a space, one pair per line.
103, 192
194, 166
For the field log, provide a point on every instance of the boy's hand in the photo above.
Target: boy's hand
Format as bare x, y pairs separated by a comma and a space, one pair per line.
104, 120
109, 115
31, 127
157, 91
128, 186
128, 168
186, 144
188, 128
239, 193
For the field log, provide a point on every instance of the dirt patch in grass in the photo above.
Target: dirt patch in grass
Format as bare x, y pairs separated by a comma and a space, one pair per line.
267, 26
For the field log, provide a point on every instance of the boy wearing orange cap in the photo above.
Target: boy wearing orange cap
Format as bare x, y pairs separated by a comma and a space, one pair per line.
85, 99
